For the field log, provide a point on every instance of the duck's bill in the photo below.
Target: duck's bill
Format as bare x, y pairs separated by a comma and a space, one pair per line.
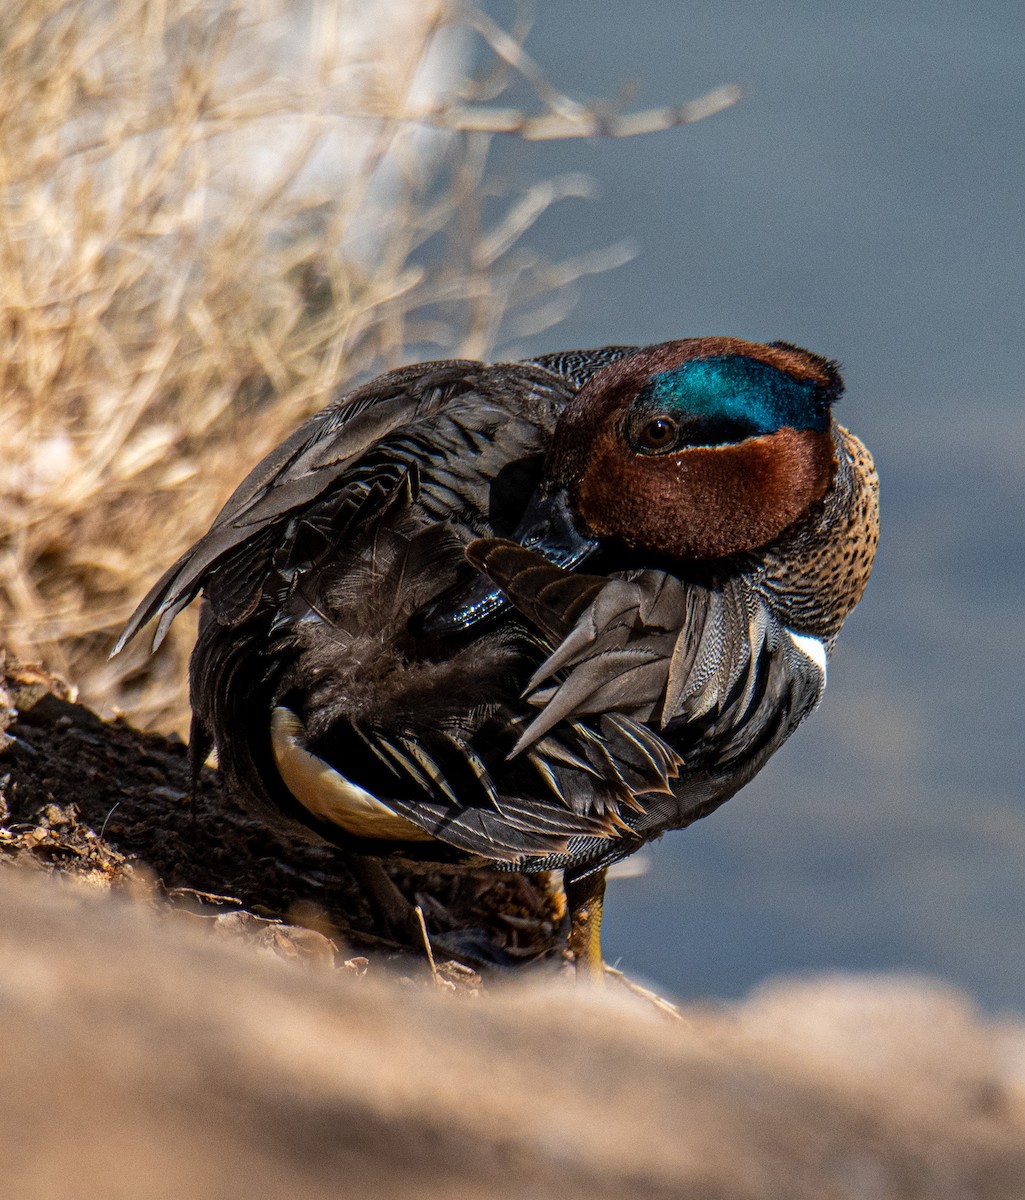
547, 527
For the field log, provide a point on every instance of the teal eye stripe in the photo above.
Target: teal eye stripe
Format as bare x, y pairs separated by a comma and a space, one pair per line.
737, 388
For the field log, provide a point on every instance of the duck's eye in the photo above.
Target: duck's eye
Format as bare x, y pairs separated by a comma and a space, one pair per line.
658, 434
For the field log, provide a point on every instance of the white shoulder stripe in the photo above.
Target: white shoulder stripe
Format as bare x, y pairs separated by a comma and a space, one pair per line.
811, 648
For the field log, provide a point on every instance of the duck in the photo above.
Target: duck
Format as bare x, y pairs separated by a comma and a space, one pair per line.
529, 615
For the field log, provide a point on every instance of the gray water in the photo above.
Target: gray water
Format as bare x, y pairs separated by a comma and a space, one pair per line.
865, 200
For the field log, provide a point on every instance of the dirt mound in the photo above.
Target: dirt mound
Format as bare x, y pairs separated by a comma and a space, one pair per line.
144, 1059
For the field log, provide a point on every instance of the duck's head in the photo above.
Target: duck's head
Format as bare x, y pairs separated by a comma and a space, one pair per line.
689, 450
695, 449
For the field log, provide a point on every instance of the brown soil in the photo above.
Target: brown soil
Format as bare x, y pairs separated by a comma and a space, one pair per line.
100, 800
142, 1059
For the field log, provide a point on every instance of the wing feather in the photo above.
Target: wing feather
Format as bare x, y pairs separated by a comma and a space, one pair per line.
289, 479
682, 679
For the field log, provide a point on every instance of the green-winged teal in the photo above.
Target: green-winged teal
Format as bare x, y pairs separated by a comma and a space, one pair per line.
530, 614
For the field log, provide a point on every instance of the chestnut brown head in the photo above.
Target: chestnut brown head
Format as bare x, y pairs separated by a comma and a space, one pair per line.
698, 449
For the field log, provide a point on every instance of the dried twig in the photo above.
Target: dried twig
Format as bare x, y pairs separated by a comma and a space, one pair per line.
664, 1006
427, 945
585, 122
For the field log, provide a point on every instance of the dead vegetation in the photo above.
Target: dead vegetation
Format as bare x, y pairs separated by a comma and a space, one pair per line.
215, 213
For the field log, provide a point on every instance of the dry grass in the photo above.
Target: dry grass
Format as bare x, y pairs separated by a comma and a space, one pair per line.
215, 212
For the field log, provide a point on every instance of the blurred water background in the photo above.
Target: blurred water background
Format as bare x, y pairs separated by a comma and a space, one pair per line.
865, 200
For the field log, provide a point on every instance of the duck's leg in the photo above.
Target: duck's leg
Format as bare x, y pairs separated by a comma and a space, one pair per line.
393, 914
585, 897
